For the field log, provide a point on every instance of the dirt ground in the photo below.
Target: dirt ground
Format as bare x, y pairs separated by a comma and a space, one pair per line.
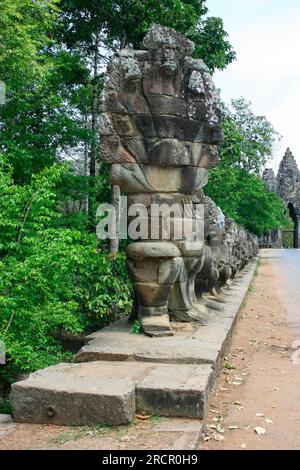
256, 404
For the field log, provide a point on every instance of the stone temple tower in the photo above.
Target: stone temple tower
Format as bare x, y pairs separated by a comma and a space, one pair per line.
270, 179
287, 186
288, 178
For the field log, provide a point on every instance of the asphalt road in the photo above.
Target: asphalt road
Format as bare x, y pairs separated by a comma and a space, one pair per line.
287, 264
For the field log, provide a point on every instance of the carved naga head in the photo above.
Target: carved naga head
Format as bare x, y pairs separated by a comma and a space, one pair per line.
161, 119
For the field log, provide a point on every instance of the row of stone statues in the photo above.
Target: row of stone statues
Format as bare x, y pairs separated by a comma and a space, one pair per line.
160, 130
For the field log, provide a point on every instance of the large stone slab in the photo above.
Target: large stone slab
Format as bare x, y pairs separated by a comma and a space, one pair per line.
5, 420
77, 394
179, 349
108, 393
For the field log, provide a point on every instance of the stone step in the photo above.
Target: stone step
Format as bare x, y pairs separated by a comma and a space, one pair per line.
182, 348
109, 393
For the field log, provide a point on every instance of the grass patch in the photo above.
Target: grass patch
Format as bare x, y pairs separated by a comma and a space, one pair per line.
75, 434
257, 267
5, 407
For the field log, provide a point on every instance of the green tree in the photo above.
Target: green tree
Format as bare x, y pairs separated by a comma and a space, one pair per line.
118, 23
235, 184
249, 139
243, 196
38, 121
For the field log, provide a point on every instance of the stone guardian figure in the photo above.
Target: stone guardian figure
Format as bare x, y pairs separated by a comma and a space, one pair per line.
160, 130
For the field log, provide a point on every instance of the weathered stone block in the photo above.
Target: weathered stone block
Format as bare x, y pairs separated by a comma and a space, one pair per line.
75, 395
169, 153
156, 325
210, 133
152, 311
167, 38
184, 180
205, 156
197, 110
152, 250
145, 124
169, 270
130, 177
152, 295
135, 103
112, 150
124, 126
144, 270
144, 199
169, 127
163, 79
168, 105
176, 391
111, 103
5, 420
136, 147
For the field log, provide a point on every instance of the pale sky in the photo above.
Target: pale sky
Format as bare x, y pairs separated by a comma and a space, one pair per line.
266, 37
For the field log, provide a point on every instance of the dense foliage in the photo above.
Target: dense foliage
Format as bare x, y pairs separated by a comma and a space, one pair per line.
235, 184
243, 196
120, 23
52, 277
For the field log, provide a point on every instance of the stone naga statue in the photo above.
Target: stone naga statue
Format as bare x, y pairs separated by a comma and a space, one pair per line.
159, 132
228, 248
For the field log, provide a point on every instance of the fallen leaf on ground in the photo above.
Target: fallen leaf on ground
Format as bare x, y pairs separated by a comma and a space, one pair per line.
142, 417
243, 446
217, 437
220, 429
260, 415
217, 427
260, 431
269, 421
212, 426
229, 366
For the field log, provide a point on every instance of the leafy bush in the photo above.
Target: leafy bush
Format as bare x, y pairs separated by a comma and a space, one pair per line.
51, 277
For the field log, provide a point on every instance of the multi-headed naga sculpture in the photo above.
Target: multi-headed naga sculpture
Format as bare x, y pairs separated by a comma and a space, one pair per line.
160, 129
